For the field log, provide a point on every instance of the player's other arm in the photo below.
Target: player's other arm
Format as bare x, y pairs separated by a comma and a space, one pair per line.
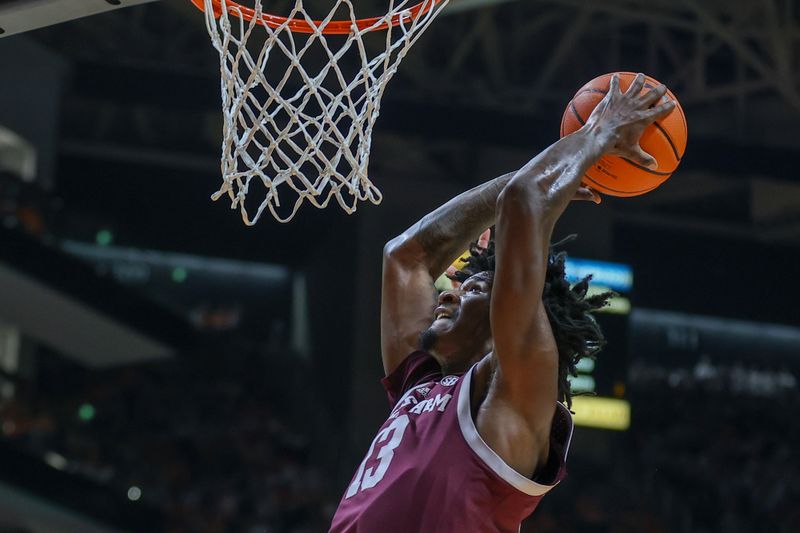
413, 260
525, 391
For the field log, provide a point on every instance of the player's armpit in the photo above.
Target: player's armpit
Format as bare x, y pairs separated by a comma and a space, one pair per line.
508, 433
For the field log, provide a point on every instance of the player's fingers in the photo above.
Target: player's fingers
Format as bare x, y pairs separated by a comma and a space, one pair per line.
451, 271
587, 195
648, 116
640, 157
651, 97
659, 111
596, 198
636, 85
601, 106
613, 85
483, 240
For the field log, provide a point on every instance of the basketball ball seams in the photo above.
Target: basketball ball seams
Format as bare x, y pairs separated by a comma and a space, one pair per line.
685, 126
575, 112
600, 91
669, 140
601, 187
591, 91
645, 169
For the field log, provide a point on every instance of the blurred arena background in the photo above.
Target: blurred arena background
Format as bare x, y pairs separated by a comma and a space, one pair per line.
165, 368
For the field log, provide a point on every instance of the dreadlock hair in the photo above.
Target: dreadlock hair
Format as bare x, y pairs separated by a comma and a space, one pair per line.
576, 332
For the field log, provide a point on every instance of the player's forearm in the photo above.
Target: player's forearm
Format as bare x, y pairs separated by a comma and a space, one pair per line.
442, 235
551, 180
548, 183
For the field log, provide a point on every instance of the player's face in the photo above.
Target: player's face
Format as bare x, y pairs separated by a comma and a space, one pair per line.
460, 328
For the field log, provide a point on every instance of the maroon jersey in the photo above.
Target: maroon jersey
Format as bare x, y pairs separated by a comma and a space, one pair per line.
428, 469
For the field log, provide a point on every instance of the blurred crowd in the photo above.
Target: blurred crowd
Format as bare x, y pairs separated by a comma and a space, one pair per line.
209, 442
226, 444
712, 449
723, 440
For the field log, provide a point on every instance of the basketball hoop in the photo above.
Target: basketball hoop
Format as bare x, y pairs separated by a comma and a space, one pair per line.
305, 132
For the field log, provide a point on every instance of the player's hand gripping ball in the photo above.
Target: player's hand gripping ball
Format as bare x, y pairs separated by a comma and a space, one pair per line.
665, 140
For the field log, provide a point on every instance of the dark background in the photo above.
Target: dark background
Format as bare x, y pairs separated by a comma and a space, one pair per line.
232, 371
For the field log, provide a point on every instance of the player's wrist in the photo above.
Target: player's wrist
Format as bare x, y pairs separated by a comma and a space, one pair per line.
598, 138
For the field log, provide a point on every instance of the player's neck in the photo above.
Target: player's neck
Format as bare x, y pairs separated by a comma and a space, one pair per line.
457, 363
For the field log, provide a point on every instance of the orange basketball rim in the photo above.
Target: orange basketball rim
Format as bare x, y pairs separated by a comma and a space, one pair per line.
334, 27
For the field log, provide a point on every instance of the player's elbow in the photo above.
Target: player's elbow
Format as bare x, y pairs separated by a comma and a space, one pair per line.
392, 246
402, 249
521, 198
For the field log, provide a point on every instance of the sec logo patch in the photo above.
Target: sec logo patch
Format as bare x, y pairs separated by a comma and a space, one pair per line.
449, 381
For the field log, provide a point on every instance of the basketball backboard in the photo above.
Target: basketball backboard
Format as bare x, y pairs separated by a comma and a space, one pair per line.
18, 16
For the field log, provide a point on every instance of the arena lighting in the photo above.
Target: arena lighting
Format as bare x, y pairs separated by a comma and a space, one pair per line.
617, 305
211, 265
104, 237
134, 493
17, 155
601, 413
86, 412
582, 383
585, 365
18, 17
616, 276
179, 274
55, 460
718, 326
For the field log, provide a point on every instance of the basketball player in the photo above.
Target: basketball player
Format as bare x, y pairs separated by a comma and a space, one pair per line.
478, 432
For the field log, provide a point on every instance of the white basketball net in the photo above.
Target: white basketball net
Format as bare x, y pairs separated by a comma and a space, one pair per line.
311, 140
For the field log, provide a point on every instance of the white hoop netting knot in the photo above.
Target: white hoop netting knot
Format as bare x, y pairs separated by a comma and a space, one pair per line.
304, 131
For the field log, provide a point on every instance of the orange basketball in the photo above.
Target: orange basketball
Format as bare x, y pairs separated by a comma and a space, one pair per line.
665, 140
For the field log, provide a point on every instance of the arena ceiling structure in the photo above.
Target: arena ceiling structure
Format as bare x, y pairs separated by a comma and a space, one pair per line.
491, 74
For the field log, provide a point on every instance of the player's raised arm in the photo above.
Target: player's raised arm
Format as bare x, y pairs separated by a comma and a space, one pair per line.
414, 259
527, 210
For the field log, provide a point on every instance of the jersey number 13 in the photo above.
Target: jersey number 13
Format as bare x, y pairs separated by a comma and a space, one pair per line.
366, 478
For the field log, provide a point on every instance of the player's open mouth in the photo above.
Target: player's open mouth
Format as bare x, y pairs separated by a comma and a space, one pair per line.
441, 312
